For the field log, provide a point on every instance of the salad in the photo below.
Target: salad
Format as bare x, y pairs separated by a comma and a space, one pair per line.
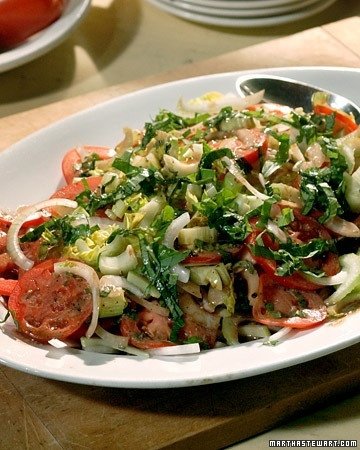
229, 220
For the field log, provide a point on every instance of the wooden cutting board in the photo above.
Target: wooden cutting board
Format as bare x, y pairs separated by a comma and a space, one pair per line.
38, 413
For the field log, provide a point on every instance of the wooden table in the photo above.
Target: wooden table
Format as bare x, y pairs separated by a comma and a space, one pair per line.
39, 413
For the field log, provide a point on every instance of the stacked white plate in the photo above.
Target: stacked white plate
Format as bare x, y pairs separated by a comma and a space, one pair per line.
243, 13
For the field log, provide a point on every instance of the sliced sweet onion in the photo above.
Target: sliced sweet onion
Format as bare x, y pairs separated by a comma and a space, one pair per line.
334, 280
191, 288
101, 222
276, 231
119, 342
112, 340
173, 229
13, 246
278, 336
135, 295
84, 152
4, 313
183, 273
150, 306
88, 273
118, 281
342, 227
252, 280
181, 168
175, 350
212, 102
171, 235
126, 143
240, 177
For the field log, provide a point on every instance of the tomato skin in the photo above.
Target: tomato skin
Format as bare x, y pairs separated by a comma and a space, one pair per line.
202, 259
73, 157
273, 108
33, 221
302, 229
293, 281
343, 122
20, 19
45, 305
6, 264
284, 300
71, 191
133, 329
248, 145
7, 286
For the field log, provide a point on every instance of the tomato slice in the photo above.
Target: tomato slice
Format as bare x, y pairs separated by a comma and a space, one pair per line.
46, 305
33, 221
73, 157
71, 191
20, 19
7, 286
301, 230
6, 264
269, 266
305, 228
202, 259
138, 333
248, 144
343, 122
281, 307
273, 108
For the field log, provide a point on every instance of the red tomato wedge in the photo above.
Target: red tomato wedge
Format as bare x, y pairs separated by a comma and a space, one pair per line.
139, 332
46, 305
7, 286
301, 230
248, 144
71, 191
343, 122
20, 19
281, 307
6, 264
33, 221
202, 259
294, 281
273, 108
73, 157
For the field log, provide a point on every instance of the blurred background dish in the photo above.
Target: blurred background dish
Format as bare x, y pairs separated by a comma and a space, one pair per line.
46, 39
240, 4
240, 12
289, 11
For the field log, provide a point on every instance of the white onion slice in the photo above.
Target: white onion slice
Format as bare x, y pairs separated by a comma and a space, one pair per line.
252, 280
183, 273
13, 246
3, 309
215, 102
191, 288
239, 176
101, 222
333, 280
171, 234
276, 231
119, 342
342, 227
175, 350
278, 336
150, 306
112, 340
137, 295
118, 281
85, 152
174, 228
89, 274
